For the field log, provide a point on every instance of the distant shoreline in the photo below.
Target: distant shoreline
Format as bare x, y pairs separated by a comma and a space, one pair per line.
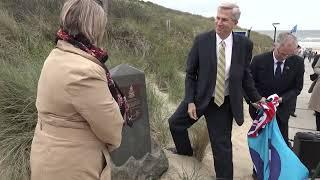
306, 38
313, 45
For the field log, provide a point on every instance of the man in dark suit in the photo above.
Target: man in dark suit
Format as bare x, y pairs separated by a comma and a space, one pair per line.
217, 70
298, 52
279, 72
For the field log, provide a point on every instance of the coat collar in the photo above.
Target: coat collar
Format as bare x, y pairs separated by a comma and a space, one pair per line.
65, 46
286, 67
214, 43
234, 56
287, 62
235, 46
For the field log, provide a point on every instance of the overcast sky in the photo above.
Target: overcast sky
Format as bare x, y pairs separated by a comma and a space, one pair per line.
258, 14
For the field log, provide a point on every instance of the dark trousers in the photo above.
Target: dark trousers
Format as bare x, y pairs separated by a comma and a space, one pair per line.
284, 126
293, 110
318, 120
219, 123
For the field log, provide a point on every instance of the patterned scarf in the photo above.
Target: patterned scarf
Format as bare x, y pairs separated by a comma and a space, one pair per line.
84, 44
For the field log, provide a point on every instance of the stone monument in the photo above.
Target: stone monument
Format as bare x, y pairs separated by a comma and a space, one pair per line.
136, 140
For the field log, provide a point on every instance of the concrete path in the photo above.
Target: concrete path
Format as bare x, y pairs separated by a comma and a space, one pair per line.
305, 120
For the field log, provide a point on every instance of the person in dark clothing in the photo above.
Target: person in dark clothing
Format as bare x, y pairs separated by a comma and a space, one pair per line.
279, 72
294, 102
315, 60
217, 67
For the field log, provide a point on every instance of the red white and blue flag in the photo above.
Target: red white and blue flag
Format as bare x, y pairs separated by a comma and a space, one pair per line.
271, 156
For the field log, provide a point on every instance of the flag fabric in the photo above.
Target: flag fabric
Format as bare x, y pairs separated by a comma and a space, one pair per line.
264, 116
272, 158
294, 29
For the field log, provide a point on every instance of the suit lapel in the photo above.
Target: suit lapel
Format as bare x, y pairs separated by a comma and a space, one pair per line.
270, 66
213, 52
286, 68
235, 52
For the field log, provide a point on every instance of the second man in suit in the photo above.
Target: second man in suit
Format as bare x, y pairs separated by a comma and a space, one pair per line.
279, 72
217, 70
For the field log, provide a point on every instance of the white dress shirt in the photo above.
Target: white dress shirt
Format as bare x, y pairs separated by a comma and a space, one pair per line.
275, 64
228, 53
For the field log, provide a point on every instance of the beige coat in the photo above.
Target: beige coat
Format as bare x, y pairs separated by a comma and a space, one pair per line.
314, 102
79, 122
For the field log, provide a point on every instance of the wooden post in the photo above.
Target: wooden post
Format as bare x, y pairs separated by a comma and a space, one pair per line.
168, 23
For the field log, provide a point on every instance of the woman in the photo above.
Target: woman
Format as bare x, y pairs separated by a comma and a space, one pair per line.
314, 103
79, 122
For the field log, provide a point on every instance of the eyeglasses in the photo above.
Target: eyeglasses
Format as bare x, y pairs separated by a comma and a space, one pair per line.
284, 54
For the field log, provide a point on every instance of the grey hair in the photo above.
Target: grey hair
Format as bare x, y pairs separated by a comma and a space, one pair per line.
235, 9
86, 17
286, 37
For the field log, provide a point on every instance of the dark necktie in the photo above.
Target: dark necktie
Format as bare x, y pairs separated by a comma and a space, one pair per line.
277, 74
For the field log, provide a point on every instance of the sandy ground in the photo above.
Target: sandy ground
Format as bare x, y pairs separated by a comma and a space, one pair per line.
183, 167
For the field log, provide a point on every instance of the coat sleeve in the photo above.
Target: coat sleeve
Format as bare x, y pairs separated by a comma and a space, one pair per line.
315, 60
294, 92
91, 97
192, 72
248, 81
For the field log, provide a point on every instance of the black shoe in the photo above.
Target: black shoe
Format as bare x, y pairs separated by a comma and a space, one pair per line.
174, 151
293, 115
254, 175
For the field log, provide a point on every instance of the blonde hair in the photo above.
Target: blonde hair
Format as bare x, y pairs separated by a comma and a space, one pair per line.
235, 9
86, 17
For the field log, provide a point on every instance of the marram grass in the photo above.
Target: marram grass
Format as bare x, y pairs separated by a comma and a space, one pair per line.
138, 37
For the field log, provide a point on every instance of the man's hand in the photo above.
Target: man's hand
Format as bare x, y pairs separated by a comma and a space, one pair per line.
263, 100
280, 100
256, 104
192, 111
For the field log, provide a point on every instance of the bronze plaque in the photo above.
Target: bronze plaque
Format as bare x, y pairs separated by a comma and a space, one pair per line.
133, 95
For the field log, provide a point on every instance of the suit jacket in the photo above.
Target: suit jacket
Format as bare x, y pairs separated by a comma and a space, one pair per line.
202, 68
79, 122
288, 86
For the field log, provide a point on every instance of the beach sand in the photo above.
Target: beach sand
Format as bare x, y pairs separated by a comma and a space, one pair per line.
183, 167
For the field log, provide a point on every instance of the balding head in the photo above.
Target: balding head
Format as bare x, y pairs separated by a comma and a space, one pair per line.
285, 46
